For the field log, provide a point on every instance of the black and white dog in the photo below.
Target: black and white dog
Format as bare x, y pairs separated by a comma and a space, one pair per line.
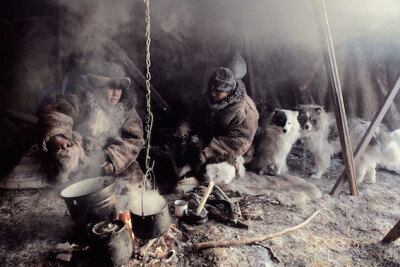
275, 142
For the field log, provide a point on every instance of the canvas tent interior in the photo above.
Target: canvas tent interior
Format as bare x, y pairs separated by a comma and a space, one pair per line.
190, 38
279, 41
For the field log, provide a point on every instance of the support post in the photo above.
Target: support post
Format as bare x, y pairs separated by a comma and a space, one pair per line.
250, 68
393, 234
340, 112
59, 54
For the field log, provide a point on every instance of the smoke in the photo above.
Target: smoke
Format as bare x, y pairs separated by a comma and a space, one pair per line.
88, 25
190, 37
153, 202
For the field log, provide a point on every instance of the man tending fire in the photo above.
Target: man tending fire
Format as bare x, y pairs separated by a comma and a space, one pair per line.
95, 132
221, 124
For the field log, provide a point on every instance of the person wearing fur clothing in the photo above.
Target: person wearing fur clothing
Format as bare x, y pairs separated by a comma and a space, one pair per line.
95, 132
221, 123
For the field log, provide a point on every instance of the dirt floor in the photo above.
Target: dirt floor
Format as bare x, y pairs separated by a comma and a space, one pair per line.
347, 231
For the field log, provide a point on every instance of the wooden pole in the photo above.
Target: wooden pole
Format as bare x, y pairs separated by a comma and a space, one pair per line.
368, 134
250, 68
78, 61
340, 112
58, 68
393, 234
115, 49
33, 19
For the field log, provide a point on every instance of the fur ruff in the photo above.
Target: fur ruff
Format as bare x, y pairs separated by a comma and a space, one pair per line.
234, 97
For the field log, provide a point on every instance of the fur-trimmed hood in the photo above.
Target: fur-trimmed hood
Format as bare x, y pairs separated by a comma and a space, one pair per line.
236, 96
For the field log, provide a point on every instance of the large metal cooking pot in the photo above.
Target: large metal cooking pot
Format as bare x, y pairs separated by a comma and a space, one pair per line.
91, 199
151, 226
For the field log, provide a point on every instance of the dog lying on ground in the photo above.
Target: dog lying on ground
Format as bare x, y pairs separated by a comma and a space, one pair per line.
275, 143
320, 134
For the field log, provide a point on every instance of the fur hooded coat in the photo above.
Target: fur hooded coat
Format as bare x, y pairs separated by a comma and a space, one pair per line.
227, 128
101, 131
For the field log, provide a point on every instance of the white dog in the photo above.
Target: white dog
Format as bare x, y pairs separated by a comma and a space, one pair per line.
276, 141
321, 137
384, 153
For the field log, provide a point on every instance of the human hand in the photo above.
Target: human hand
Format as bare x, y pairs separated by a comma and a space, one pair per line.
59, 142
107, 168
201, 158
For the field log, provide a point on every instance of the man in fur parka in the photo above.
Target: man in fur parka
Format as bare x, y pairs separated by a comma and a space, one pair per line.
221, 123
95, 132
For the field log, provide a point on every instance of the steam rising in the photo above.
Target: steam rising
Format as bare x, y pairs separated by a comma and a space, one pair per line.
153, 202
190, 37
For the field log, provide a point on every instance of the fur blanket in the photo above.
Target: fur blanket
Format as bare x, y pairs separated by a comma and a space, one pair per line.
287, 189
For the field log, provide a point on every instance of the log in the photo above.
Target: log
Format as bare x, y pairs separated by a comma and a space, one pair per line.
214, 244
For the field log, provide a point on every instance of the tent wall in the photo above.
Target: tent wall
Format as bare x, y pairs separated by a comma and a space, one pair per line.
190, 38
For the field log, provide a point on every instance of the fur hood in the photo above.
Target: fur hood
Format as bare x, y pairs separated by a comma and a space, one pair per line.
234, 97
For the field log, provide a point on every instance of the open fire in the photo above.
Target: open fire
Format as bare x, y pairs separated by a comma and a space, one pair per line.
162, 249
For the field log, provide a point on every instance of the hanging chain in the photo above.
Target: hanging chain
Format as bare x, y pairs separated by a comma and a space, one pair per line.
149, 116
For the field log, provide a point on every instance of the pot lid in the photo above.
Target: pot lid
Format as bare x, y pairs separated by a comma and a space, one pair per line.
107, 227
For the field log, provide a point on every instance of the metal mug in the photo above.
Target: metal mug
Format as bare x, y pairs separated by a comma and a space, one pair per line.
181, 208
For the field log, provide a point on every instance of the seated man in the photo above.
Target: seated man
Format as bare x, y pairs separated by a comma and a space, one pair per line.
94, 133
220, 125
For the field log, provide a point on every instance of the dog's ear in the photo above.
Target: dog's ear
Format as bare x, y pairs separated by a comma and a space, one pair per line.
319, 110
298, 107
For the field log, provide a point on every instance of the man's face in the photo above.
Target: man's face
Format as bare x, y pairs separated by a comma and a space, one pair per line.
217, 96
113, 95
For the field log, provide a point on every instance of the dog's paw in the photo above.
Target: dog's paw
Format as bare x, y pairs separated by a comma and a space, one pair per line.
316, 175
370, 180
271, 170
